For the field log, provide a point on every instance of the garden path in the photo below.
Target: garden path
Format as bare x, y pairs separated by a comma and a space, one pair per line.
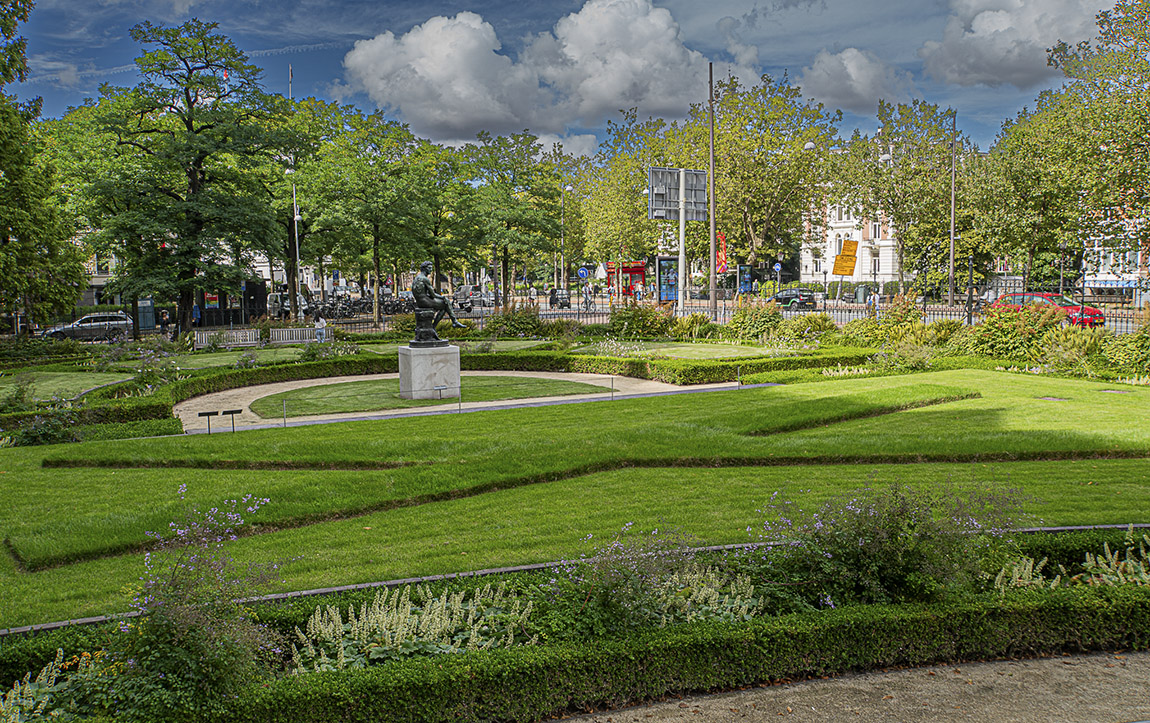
619, 387
1103, 687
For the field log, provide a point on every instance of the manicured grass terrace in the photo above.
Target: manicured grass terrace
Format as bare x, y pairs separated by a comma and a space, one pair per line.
337, 506
65, 385
381, 394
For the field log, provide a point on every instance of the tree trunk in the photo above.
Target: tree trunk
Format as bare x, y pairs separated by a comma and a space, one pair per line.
375, 266
503, 269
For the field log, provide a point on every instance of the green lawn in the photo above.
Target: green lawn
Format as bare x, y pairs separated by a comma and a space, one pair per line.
64, 385
518, 486
205, 360
381, 394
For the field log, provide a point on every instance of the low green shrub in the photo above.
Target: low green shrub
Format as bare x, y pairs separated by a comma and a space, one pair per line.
515, 321
895, 544
694, 326
804, 327
635, 321
1071, 349
532, 683
754, 320
1014, 332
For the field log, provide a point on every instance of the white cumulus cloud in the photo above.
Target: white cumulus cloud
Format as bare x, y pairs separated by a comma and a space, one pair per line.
997, 42
449, 78
855, 80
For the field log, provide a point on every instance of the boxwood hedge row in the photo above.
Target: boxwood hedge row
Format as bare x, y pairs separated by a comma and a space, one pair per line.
526, 684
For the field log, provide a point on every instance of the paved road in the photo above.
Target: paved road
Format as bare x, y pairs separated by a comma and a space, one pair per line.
613, 387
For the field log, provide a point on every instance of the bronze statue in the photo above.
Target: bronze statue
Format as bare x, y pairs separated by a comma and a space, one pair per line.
430, 306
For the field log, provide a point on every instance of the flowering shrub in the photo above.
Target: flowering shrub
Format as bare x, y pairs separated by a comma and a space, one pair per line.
804, 326
514, 320
1130, 566
754, 320
318, 352
643, 579
896, 544
1014, 332
193, 644
631, 320
399, 624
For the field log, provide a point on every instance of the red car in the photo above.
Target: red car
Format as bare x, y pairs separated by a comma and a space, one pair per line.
1076, 313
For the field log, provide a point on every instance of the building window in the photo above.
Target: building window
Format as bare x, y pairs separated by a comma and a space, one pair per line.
875, 230
818, 265
103, 265
840, 213
874, 264
839, 243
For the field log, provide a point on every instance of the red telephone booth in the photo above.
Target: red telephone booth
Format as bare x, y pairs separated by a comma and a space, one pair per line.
633, 272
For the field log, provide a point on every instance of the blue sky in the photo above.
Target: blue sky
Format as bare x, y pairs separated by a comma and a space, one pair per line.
562, 68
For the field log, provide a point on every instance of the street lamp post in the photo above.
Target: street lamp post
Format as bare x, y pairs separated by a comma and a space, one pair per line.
953, 139
826, 291
562, 234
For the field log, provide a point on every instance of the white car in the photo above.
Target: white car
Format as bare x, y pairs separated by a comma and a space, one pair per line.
99, 326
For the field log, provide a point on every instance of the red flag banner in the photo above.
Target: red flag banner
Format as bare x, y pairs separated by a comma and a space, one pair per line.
721, 262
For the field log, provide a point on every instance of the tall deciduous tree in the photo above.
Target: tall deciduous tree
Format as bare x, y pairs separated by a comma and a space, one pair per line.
614, 207
41, 269
902, 173
192, 131
1030, 201
366, 181
1107, 114
771, 148
517, 198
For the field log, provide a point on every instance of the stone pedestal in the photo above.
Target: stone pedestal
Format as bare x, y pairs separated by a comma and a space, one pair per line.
429, 372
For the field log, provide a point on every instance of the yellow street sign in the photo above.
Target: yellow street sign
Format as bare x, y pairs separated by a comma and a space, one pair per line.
850, 248
844, 265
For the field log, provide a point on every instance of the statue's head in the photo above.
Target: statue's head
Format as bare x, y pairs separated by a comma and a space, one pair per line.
426, 267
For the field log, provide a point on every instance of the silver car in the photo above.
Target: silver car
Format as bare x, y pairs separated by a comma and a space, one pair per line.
99, 326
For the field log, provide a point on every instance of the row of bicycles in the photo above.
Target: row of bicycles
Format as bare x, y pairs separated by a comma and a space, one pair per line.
344, 307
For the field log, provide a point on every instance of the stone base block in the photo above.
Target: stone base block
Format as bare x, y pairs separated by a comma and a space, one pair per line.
429, 372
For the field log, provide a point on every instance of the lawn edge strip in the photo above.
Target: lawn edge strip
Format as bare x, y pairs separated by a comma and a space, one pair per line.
483, 488
867, 414
536, 683
232, 464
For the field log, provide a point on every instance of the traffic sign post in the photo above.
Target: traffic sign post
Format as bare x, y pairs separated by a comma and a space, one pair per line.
678, 194
778, 277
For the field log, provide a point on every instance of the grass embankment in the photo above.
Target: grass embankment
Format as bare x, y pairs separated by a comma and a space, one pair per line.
356, 523
382, 394
64, 385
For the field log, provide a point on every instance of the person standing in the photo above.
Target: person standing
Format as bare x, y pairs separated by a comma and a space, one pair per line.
320, 328
165, 320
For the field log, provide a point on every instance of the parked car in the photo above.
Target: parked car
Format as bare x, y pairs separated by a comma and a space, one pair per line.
279, 304
1077, 314
469, 295
100, 326
795, 299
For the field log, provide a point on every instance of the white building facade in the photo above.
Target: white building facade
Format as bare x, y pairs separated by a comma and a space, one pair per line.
876, 257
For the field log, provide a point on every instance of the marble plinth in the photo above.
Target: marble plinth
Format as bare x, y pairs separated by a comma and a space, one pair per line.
429, 372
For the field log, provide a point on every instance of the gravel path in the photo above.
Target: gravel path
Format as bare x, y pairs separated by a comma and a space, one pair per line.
1098, 688
188, 411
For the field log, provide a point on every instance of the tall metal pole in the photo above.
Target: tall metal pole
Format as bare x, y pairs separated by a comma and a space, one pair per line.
713, 285
953, 137
562, 238
682, 305
295, 227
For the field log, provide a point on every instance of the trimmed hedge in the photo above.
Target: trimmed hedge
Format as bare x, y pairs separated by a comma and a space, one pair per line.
531, 683
130, 430
671, 371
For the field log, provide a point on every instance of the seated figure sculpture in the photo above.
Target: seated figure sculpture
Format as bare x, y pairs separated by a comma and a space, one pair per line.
430, 308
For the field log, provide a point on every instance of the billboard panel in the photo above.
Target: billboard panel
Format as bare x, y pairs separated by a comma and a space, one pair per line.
663, 194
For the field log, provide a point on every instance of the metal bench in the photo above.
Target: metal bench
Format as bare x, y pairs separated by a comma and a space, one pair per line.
227, 337
294, 335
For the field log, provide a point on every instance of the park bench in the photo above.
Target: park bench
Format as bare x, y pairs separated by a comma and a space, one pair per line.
227, 337
294, 335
